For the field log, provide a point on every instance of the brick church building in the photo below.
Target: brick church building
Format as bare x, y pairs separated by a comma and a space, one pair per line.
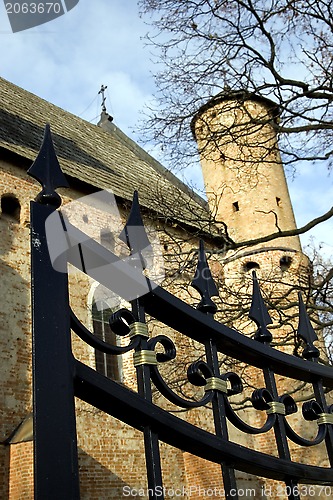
247, 199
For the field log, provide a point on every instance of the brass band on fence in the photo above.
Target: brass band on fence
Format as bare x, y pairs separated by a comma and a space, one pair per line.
138, 328
276, 407
217, 384
144, 358
325, 418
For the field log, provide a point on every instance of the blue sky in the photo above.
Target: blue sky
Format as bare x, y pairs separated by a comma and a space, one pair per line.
100, 42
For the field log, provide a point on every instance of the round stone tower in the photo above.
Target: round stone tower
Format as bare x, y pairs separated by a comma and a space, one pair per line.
242, 168
247, 190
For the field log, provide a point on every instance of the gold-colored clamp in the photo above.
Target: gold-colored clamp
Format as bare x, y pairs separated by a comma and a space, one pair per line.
217, 384
325, 418
138, 329
144, 358
276, 407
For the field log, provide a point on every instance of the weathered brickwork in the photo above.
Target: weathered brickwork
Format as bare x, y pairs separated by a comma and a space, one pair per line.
21, 471
15, 320
111, 455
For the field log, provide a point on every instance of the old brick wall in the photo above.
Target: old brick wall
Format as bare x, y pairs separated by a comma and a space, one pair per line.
111, 455
15, 318
21, 472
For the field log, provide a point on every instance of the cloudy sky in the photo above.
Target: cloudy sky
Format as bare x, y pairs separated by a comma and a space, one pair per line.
100, 42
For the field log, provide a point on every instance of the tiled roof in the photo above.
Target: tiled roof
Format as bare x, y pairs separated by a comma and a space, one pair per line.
100, 158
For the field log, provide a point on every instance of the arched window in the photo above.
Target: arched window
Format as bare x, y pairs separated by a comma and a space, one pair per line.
10, 207
108, 365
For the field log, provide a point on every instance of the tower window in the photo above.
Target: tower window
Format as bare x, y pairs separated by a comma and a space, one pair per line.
285, 262
250, 266
235, 206
278, 201
10, 207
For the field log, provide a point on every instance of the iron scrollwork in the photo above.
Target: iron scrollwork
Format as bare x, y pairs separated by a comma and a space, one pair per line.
138, 409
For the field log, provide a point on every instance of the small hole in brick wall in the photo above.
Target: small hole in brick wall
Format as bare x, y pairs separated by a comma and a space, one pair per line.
10, 207
249, 266
85, 218
285, 262
235, 206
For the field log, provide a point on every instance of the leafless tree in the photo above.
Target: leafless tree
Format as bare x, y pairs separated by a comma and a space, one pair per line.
276, 49
280, 49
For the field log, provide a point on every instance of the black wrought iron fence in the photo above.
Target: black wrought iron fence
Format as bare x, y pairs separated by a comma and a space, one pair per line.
58, 377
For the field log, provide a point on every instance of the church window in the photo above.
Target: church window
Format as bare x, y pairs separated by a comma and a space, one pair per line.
10, 207
108, 365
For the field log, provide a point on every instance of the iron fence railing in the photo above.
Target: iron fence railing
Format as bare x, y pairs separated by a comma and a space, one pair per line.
59, 377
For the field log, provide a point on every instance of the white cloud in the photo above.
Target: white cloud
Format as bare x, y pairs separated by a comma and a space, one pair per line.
66, 60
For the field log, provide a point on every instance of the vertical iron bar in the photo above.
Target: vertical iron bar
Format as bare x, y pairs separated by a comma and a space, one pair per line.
320, 398
259, 314
151, 442
280, 434
55, 446
134, 235
220, 421
308, 336
204, 283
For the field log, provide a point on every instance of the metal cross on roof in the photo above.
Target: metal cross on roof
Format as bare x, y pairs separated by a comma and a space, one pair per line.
103, 89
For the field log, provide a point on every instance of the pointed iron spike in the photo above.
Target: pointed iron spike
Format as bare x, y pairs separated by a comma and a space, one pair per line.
306, 332
204, 283
134, 233
46, 170
259, 313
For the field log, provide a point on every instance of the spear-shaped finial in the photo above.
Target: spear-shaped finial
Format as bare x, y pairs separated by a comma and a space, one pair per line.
46, 170
259, 313
204, 284
134, 233
306, 332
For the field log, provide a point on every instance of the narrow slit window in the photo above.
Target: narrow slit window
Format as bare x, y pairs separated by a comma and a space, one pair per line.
235, 206
278, 201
